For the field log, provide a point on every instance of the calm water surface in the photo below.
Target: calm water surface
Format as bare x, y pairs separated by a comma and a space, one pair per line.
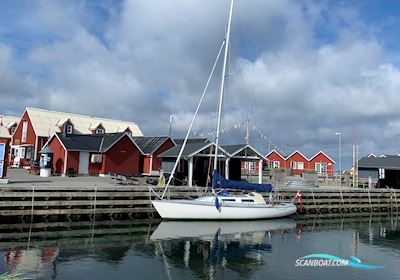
201, 250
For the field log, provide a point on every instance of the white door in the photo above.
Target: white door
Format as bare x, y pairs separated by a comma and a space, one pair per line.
19, 153
83, 163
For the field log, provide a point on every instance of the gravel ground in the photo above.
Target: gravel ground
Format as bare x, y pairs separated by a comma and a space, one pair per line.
21, 177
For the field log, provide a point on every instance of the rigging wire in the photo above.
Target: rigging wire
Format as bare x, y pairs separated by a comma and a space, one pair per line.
193, 119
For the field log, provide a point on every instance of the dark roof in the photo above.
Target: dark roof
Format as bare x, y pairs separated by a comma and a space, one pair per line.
241, 150
192, 140
89, 142
150, 144
233, 148
109, 140
190, 148
386, 162
47, 150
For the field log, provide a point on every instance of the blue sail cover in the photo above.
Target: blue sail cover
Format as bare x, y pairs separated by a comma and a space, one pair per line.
219, 182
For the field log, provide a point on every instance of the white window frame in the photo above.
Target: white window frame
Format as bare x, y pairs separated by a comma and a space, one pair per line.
250, 166
293, 165
70, 129
24, 131
319, 169
274, 164
100, 130
28, 152
12, 130
22, 151
16, 153
300, 165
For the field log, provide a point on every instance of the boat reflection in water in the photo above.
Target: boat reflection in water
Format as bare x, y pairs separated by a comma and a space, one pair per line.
207, 229
208, 246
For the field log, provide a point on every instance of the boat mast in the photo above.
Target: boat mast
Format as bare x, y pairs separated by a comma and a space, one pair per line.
221, 93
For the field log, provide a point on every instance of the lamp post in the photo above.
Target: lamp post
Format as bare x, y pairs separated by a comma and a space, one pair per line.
340, 158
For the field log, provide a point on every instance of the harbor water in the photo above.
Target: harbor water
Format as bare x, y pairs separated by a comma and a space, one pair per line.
368, 246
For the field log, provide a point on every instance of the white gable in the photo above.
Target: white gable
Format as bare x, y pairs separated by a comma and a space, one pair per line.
45, 123
5, 123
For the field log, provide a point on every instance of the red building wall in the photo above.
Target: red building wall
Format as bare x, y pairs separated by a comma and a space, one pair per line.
297, 157
41, 142
274, 156
323, 159
95, 168
58, 157
146, 159
122, 158
73, 161
164, 147
30, 136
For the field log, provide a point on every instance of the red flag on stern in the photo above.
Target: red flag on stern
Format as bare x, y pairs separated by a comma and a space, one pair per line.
298, 198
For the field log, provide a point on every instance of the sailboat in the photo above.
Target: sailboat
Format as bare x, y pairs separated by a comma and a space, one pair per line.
221, 205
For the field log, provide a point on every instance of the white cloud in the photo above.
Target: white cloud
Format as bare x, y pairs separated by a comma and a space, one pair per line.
148, 59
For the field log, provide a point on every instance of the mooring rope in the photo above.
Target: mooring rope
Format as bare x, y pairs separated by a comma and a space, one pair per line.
369, 198
33, 200
153, 191
315, 204
151, 205
341, 196
30, 227
395, 200
391, 198
94, 202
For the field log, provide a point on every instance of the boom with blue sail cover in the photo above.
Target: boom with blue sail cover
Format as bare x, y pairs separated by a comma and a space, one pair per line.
220, 182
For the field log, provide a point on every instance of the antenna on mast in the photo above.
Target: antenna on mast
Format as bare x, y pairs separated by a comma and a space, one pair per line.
247, 139
171, 119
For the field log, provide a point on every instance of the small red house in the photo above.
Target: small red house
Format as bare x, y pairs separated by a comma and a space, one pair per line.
94, 154
150, 163
322, 164
37, 125
297, 162
275, 160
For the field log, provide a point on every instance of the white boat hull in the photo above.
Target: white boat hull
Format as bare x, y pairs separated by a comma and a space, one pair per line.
193, 210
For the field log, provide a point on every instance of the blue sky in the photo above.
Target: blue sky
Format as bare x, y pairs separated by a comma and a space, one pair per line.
302, 70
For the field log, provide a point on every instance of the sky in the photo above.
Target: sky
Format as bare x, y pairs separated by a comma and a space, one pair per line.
299, 70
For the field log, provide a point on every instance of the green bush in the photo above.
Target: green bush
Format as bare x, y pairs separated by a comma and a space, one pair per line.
279, 169
310, 171
12, 276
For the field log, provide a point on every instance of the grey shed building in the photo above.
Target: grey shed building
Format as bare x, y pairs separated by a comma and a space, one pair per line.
198, 157
385, 169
